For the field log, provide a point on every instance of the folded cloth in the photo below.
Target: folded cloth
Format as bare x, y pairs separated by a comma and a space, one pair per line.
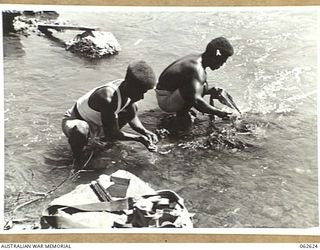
119, 188
142, 206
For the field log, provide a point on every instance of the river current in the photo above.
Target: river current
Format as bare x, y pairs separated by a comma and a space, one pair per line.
272, 77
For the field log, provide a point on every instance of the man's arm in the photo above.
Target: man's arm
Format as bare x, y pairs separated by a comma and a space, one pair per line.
111, 127
103, 100
214, 92
193, 93
113, 132
137, 125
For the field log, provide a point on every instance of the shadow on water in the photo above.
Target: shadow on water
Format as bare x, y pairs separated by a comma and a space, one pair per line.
12, 31
12, 46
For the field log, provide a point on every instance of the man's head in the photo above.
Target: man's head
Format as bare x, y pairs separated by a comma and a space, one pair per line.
139, 78
217, 52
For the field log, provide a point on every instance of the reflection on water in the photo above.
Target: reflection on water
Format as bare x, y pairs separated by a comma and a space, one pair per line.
271, 181
12, 46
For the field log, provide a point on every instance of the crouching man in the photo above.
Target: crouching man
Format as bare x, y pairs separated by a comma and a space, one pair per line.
183, 84
103, 111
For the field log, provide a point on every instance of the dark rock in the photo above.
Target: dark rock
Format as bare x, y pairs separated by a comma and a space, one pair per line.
7, 20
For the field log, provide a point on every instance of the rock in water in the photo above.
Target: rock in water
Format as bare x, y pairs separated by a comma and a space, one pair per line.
94, 44
7, 20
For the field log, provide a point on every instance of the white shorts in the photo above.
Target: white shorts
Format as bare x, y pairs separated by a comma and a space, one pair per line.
69, 121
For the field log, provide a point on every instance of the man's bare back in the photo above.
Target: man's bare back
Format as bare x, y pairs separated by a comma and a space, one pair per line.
182, 84
181, 73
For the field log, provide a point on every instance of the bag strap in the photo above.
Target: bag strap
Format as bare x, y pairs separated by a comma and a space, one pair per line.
57, 221
110, 206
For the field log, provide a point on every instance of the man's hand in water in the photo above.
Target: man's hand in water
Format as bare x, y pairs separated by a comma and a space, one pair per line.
214, 92
223, 115
148, 143
153, 138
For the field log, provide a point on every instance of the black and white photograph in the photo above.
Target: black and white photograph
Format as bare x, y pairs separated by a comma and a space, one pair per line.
159, 118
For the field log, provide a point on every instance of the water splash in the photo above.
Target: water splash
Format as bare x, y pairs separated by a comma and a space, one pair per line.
278, 93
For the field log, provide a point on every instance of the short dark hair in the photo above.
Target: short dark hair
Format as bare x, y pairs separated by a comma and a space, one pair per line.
142, 74
220, 43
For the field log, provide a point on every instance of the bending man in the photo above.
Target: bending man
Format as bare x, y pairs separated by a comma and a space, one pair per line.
183, 83
104, 110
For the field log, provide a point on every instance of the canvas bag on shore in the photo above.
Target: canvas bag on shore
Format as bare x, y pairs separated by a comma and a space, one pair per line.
133, 204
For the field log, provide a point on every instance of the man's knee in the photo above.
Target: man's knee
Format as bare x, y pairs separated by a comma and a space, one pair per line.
75, 126
77, 132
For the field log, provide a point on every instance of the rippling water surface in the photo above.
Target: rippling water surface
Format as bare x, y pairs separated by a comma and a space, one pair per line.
272, 77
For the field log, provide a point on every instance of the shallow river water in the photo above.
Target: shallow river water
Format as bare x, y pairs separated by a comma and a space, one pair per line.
272, 77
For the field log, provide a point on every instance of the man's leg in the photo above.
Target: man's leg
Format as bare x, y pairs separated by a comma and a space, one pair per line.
77, 132
184, 118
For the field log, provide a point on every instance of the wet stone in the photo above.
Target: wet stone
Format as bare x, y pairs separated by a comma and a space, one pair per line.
94, 44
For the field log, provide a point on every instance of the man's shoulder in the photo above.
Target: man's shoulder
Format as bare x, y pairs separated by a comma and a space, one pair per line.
103, 94
190, 59
191, 63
